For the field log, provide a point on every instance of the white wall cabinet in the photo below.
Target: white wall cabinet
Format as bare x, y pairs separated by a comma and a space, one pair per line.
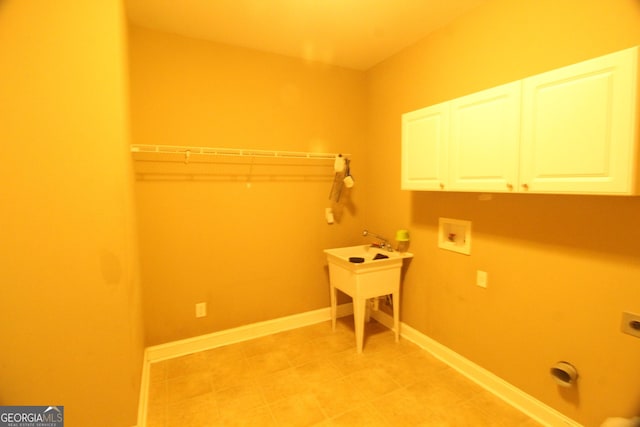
578, 127
483, 147
571, 130
425, 136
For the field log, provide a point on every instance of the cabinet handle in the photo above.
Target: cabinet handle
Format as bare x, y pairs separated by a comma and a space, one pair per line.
442, 185
525, 186
509, 186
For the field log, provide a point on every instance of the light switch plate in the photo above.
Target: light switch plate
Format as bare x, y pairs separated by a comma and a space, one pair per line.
481, 278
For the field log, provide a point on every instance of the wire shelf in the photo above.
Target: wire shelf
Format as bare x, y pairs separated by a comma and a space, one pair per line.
231, 152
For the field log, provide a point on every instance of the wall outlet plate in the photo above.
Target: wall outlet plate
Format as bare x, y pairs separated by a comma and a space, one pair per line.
201, 309
631, 324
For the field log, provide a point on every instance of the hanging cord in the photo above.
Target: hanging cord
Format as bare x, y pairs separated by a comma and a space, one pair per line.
336, 188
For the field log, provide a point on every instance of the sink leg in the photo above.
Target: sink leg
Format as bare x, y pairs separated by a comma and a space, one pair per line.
359, 310
396, 314
333, 293
367, 312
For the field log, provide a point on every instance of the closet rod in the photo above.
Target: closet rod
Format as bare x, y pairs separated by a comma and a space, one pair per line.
238, 152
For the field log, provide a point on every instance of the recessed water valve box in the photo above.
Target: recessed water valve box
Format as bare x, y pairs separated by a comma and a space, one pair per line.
631, 324
454, 235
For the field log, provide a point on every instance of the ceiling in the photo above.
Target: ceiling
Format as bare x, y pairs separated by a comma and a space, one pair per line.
355, 34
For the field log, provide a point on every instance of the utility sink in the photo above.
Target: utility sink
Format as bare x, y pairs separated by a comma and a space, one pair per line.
363, 280
340, 256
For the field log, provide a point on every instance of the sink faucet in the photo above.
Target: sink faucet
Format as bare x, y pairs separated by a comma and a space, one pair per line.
383, 244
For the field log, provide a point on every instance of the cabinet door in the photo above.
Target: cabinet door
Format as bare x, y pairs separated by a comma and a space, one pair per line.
485, 136
424, 139
578, 127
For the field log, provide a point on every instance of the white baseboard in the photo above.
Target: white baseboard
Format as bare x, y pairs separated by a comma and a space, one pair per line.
229, 336
235, 335
512, 395
520, 400
144, 392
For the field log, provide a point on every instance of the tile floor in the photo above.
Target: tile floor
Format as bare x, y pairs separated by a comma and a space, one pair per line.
313, 376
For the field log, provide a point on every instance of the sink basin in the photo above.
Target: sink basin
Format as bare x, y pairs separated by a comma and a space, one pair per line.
340, 256
368, 279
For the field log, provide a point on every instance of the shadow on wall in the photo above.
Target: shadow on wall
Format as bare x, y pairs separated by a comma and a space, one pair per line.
570, 395
595, 223
345, 204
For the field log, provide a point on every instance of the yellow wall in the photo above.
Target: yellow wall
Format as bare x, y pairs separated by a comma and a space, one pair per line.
561, 269
251, 254
70, 316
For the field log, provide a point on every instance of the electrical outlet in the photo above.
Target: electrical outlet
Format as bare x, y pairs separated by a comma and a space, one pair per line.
481, 278
201, 309
631, 324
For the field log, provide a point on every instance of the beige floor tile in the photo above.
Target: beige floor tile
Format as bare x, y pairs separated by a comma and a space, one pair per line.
157, 416
498, 409
372, 382
186, 365
300, 352
313, 376
268, 363
330, 344
158, 393
325, 423
435, 397
387, 356
372, 344
339, 396
375, 337
448, 378
298, 411
235, 401
413, 367
158, 371
365, 415
349, 361
253, 417
317, 372
280, 385
466, 415
387, 344
441, 421
258, 346
402, 408
222, 355
199, 411
234, 373
345, 322
529, 423
188, 386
